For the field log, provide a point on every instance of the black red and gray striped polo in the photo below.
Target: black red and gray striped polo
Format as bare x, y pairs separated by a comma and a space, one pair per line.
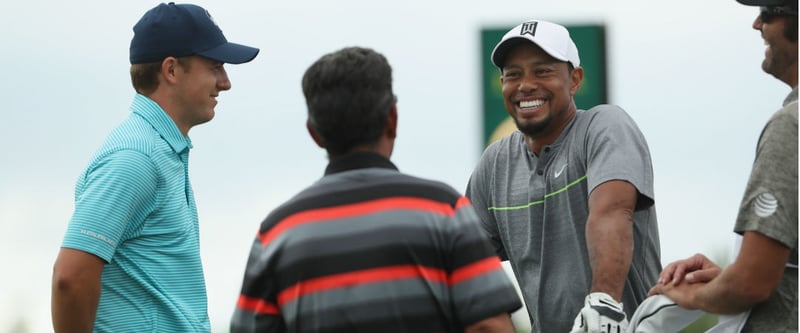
369, 249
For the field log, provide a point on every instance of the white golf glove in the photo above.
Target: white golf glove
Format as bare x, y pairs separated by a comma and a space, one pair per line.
601, 314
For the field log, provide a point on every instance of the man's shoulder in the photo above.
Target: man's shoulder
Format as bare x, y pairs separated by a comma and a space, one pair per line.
341, 192
444, 191
130, 141
788, 111
604, 111
786, 116
392, 183
132, 133
605, 107
783, 122
606, 118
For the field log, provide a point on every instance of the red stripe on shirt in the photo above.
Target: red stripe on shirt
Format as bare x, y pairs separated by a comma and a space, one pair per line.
463, 201
257, 305
356, 209
358, 278
474, 269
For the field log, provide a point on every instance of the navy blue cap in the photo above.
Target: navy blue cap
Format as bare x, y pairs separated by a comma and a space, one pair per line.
768, 2
179, 30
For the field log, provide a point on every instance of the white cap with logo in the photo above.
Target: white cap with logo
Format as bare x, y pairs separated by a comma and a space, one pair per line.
552, 38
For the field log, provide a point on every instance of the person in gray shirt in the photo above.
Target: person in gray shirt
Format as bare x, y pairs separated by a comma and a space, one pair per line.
568, 197
761, 284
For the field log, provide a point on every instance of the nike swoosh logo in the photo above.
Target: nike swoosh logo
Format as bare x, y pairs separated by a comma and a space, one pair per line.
558, 173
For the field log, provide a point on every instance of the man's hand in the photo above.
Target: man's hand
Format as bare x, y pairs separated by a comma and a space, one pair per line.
682, 294
696, 268
601, 314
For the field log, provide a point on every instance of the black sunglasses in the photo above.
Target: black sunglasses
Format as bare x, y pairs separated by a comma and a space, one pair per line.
769, 13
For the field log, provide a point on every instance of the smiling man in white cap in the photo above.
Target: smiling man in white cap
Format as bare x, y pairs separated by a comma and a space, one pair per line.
760, 287
130, 259
568, 198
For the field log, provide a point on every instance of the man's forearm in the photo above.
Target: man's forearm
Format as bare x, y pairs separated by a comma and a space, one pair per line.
721, 297
609, 241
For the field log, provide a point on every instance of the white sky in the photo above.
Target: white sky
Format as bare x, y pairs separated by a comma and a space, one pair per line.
687, 71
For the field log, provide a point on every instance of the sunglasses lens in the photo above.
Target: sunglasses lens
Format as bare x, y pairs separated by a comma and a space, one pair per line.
769, 13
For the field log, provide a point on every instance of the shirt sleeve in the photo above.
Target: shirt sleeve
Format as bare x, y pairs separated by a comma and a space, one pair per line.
112, 199
769, 205
617, 150
479, 284
257, 308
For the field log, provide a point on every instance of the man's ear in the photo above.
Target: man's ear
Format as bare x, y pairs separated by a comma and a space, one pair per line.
168, 68
502, 79
576, 78
391, 122
314, 135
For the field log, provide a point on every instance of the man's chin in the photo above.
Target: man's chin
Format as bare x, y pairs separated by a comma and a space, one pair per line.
531, 128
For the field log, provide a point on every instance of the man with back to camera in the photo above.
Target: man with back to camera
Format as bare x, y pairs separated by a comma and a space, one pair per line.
367, 248
130, 259
568, 198
759, 289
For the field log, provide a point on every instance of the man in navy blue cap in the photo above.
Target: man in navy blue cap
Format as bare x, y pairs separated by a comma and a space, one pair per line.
758, 291
130, 260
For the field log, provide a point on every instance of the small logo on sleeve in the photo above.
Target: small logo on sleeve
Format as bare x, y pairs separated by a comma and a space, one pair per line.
765, 204
99, 236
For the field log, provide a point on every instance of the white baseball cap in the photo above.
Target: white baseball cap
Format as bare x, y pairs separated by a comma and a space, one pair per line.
552, 38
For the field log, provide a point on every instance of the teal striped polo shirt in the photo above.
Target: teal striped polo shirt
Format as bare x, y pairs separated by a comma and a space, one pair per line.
134, 208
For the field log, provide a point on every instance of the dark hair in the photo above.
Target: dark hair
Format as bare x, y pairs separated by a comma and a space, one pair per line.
348, 94
790, 29
144, 77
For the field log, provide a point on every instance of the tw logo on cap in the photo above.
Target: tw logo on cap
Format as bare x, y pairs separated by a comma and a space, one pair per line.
528, 28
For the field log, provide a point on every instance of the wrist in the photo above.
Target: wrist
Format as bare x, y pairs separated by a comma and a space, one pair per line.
615, 295
606, 305
605, 296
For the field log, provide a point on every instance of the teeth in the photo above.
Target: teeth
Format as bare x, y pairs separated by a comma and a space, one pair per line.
531, 104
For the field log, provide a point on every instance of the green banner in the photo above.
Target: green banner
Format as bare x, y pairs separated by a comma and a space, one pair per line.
591, 43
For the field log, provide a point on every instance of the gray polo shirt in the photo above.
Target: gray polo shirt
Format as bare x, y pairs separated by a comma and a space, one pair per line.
769, 207
535, 208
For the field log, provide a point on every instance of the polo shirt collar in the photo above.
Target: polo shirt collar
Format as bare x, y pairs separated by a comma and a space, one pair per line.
359, 160
161, 122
